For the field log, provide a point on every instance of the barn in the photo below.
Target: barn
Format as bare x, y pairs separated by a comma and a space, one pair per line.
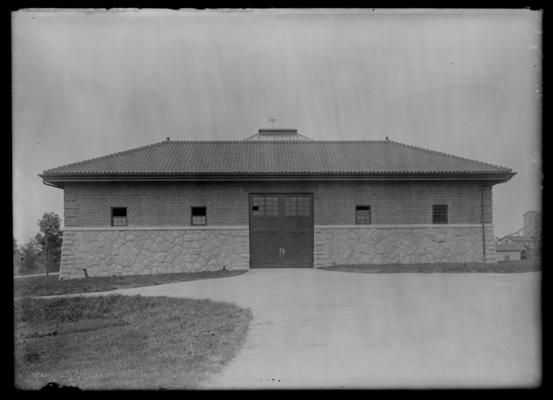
277, 199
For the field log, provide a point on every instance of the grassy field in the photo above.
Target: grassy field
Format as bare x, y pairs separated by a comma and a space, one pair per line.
47, 286
500, 267
124, 342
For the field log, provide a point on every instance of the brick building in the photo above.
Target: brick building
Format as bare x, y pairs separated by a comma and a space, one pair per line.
275, 199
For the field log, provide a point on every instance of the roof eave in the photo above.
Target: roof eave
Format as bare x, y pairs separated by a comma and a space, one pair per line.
493, 178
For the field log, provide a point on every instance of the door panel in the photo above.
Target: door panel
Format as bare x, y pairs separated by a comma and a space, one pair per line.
281, 230
298, 249
265, 234
298, 230
265, 249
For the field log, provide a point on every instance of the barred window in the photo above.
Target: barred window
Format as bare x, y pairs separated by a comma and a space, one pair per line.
119, 216
363, 215
439, 214
199, 216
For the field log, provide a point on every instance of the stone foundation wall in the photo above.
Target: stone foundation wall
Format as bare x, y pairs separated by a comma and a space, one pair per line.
134, 252
402, 245
104, 252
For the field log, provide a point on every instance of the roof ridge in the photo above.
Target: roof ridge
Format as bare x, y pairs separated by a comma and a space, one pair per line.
451, 155
78, 163
281, 141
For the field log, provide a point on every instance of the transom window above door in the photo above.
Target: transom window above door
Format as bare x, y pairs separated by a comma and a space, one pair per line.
265, 206
297, 206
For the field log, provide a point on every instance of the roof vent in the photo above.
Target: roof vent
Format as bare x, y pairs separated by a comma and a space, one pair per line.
276, 132
277, 135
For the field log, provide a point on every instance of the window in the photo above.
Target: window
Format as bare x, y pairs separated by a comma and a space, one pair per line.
363, 215
199, 216
439, 214
507, 258
119, 216
265, 206
297, 206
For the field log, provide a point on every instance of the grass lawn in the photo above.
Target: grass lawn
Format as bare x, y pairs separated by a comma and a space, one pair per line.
124, 342
47, 286
500, 267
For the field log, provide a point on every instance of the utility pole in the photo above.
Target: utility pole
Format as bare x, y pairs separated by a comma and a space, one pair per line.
47, 260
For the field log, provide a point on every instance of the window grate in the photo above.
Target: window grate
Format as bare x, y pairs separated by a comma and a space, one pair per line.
199, 216
439, 214
363, 215
119, 216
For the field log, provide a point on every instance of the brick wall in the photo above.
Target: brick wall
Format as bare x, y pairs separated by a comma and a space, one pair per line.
487, 210
154, 204
168, 204
400, 202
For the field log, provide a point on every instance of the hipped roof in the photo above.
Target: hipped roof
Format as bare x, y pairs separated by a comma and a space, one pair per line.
283, 158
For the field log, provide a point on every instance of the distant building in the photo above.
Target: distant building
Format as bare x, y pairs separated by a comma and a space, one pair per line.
510, 252
526, 241
532, 224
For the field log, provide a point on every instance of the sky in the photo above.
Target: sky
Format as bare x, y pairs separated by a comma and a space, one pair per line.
87, 83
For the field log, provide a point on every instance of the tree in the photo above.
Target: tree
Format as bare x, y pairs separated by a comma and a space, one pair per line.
50, 239
28, 262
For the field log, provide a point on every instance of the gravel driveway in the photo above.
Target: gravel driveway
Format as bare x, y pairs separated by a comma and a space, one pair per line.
325, 329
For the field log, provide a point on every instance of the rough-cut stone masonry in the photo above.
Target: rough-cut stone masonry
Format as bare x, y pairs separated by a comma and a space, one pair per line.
132, 252
489, 238
335, 246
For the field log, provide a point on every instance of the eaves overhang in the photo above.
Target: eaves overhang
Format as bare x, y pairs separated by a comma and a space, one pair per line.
492, 178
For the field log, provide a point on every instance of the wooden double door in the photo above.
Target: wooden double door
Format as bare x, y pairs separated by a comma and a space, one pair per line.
281, 230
